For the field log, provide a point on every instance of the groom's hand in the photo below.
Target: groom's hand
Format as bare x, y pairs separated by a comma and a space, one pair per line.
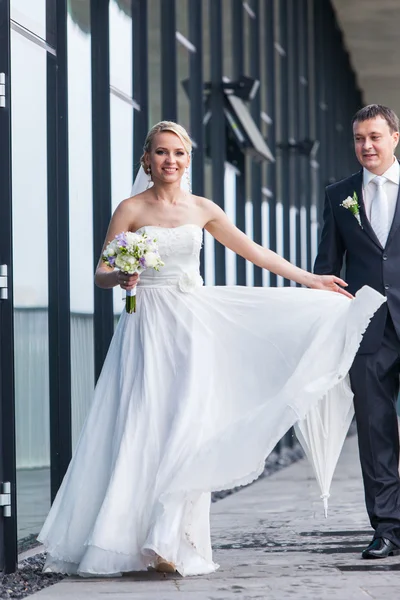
330, 283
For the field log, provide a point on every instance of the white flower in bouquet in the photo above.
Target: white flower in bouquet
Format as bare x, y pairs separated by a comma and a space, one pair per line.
151, 259
127, 263
132, 253
132, 239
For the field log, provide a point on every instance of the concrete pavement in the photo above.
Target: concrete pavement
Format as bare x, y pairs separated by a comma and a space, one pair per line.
272, 542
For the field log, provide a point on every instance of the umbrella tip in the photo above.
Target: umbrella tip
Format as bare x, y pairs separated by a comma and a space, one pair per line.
325, 500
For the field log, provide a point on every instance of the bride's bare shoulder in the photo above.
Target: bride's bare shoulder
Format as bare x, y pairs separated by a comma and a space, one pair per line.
142, 197
134, 204
202, 203
205, 205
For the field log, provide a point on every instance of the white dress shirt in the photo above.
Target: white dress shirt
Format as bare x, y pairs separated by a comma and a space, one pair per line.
391, 187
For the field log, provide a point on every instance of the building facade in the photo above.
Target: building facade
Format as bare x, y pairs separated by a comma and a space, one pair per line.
266, 90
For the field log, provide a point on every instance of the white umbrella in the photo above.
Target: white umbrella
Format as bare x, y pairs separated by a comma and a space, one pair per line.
323, 431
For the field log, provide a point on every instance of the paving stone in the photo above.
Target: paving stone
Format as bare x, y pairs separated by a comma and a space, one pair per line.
272, 543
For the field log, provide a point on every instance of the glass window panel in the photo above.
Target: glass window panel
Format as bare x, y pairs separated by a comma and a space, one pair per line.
209, 253
29, 189
247, 39
227, 54
263, 67
304, 227
79, 12
31, 14
293, 237
266, 276
154, 60
249, 232
206, 41
230, 209
183, 62
183, 59
121, 165
182, 20
81, 222
120, 46
279, 237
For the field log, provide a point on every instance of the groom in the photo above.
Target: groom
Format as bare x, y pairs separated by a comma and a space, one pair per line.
362, 228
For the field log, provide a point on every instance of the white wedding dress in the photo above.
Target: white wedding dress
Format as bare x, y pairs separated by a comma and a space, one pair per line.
197, 388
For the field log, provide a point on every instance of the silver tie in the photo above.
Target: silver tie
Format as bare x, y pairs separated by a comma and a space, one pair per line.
380, 211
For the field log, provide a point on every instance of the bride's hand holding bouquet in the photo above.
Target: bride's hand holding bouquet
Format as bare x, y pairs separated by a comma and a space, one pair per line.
131, 253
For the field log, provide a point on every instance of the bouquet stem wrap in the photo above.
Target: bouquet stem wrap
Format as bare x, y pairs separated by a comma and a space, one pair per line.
130, 301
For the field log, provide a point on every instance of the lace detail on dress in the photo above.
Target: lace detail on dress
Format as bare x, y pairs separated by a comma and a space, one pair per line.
184, 239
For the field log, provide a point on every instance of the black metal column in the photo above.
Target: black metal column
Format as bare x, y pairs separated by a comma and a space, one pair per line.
238, 70
169, 105
284, 129
255, 109
218, 142
320, 104
304, 122
8, 525
294, 102
330, 90
339, 75
140, 70
103, 299
58, 243
271, 109
196, 95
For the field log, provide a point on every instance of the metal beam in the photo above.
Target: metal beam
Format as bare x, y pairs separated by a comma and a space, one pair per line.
255, 110
218, 143
58, 243
238, 70
8, 528
196, 96
270, 75
169, 103
140, 70
101, 158
284, 128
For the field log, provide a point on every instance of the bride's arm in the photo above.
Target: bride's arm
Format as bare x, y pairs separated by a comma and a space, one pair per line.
105, 276
223, 230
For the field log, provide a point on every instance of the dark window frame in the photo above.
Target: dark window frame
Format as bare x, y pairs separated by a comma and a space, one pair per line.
58, 241
8, 526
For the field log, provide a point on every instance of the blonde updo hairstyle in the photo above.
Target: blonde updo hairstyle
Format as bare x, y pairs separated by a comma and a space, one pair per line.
159, 128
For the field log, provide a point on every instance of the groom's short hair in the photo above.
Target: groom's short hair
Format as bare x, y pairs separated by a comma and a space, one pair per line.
377, 110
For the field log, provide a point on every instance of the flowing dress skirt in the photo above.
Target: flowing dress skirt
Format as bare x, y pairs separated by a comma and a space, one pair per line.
196, 390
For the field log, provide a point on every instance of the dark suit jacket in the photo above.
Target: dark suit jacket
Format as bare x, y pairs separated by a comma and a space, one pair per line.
343, 240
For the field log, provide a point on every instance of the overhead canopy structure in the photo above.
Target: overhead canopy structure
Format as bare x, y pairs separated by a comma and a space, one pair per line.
371, 34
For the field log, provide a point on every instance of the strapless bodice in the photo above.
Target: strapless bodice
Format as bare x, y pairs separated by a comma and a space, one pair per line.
179, 248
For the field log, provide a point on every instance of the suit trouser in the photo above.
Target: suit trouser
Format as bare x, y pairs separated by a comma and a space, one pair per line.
375, 383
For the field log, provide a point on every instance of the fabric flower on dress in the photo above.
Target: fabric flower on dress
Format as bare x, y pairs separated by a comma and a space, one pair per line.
189, 281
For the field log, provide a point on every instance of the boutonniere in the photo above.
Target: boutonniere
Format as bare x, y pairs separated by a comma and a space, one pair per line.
351, 203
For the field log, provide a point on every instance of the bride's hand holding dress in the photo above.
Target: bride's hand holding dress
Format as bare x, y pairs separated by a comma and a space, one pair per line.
223, 230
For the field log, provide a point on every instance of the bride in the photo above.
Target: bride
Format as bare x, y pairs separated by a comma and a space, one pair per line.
198, 385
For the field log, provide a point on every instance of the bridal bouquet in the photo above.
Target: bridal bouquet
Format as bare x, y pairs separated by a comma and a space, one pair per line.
132, 253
